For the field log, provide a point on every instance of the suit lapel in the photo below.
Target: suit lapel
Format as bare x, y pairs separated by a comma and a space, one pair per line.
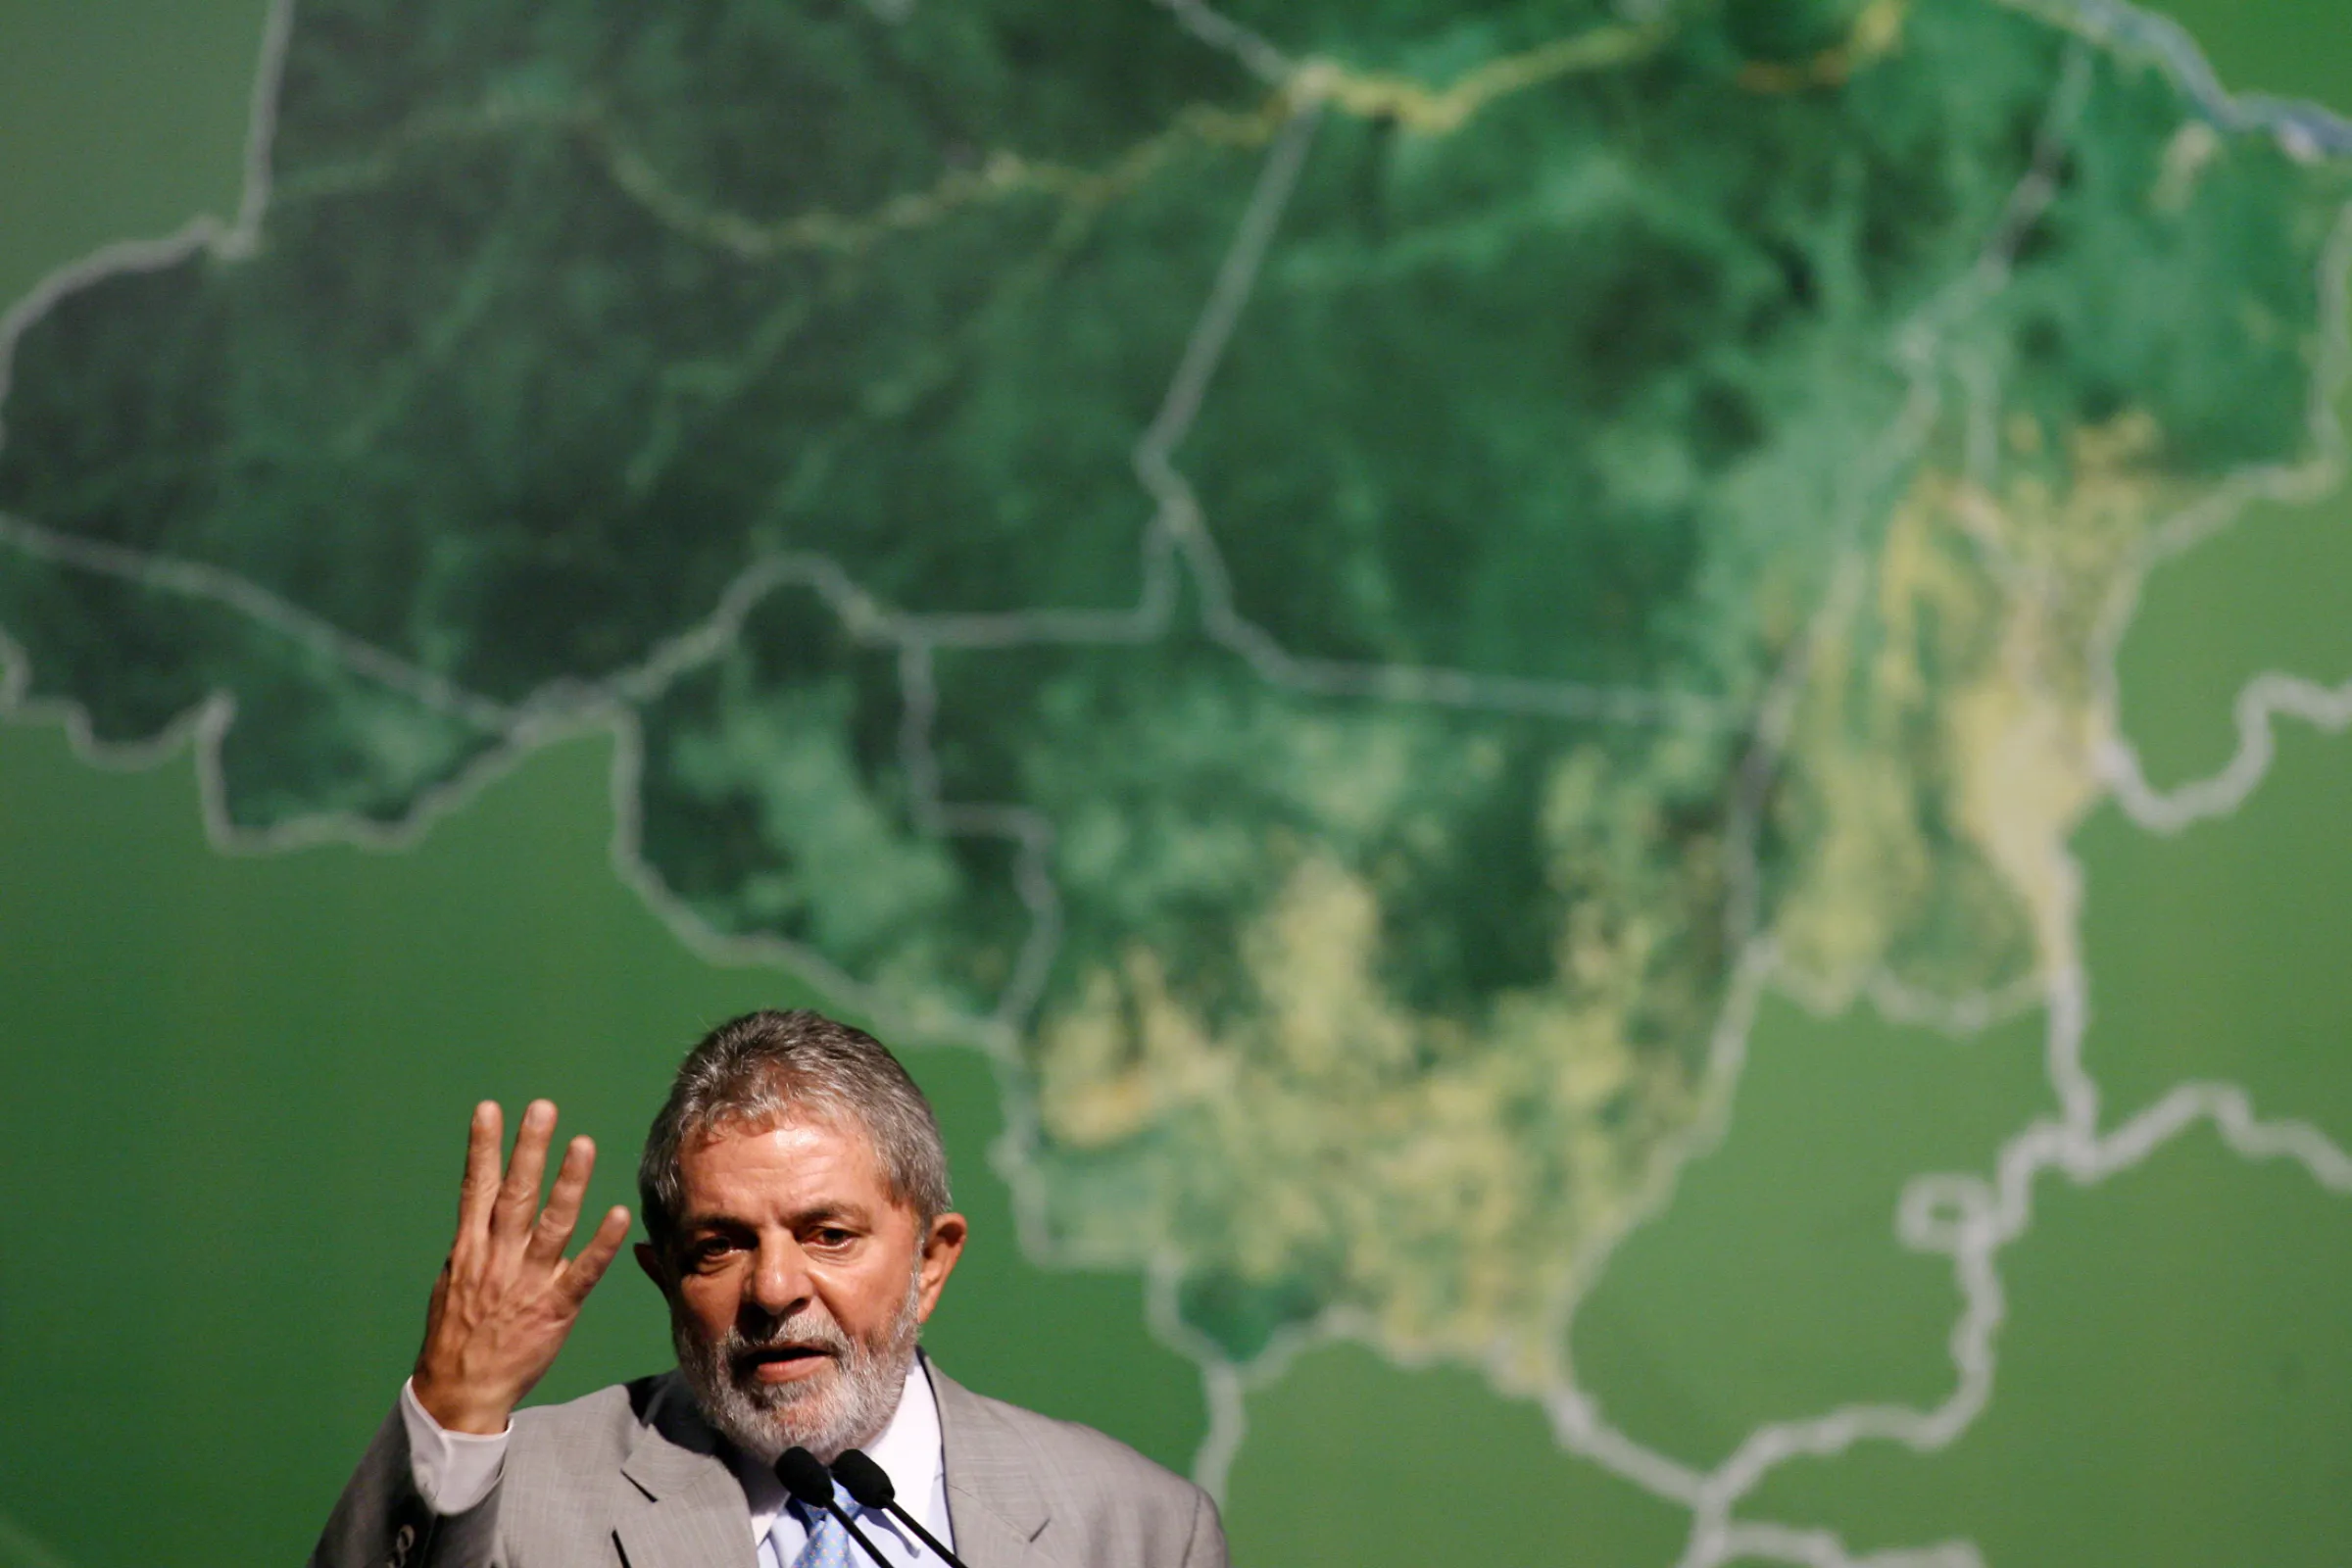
995, 1504
683, 1507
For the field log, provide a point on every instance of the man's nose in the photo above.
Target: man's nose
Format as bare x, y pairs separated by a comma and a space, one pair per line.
779, 1281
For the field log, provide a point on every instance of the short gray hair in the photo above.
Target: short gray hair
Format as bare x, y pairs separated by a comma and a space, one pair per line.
769, 1067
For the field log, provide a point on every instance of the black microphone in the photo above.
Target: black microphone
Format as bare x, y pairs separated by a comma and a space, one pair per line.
805, 1476
869, 1483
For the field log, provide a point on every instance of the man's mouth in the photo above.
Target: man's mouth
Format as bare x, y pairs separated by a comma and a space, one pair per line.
783, 1363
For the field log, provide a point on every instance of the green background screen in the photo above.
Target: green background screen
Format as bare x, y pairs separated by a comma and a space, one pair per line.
1586, 743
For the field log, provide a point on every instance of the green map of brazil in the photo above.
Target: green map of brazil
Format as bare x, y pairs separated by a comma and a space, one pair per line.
1599, 741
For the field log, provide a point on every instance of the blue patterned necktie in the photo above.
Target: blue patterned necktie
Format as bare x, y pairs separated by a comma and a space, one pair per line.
828, 1545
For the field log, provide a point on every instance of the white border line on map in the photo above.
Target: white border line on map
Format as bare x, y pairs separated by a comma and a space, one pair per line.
1971, 1220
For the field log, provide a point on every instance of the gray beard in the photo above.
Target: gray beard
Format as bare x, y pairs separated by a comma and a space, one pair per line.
844, 1407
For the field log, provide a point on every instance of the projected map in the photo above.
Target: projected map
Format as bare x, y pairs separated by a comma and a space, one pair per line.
1362, 596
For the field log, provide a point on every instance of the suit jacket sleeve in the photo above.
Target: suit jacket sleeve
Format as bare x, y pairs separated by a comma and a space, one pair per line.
1206, 1548
382, 1522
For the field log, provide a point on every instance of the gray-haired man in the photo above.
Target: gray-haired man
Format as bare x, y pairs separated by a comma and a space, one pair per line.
796, 1203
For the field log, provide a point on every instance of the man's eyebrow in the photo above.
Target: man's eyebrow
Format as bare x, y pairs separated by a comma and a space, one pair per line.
714, 1222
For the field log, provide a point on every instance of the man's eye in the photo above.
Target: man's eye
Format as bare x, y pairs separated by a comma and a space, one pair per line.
832, 1236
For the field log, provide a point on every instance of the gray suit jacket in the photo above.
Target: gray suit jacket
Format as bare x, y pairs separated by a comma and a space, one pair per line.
631, 1475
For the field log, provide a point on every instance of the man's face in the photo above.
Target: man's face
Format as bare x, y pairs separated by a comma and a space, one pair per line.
797, 1287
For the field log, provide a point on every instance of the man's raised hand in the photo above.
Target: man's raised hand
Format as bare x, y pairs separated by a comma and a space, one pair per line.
506, 1298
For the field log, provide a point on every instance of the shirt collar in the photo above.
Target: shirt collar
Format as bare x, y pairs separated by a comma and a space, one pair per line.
908, 1450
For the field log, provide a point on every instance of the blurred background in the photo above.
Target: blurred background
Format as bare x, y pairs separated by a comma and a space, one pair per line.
1588, 747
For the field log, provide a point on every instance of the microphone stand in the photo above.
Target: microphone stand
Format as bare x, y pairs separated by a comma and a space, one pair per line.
810, 1484
870, 1485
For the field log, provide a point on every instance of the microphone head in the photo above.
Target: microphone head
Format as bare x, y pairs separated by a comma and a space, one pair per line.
866, 1480
805, 1476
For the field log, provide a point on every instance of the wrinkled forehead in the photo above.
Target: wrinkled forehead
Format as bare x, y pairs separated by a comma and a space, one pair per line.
765, 1113
796, 1156
771, 1097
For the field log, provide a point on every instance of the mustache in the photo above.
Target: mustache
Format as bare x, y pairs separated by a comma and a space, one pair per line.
808, 1332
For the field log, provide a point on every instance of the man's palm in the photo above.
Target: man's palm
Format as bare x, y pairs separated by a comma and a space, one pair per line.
506, 1298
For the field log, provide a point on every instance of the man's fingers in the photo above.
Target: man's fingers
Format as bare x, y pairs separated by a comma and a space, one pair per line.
552, 1233
480, 1185
519, 1198
581, 1275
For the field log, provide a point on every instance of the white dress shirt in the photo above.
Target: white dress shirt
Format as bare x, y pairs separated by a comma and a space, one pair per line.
454, 1470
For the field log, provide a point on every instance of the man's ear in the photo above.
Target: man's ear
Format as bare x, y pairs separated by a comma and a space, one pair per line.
942, 1247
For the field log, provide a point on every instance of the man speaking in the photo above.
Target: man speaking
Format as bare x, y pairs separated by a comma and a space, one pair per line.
795, 1193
